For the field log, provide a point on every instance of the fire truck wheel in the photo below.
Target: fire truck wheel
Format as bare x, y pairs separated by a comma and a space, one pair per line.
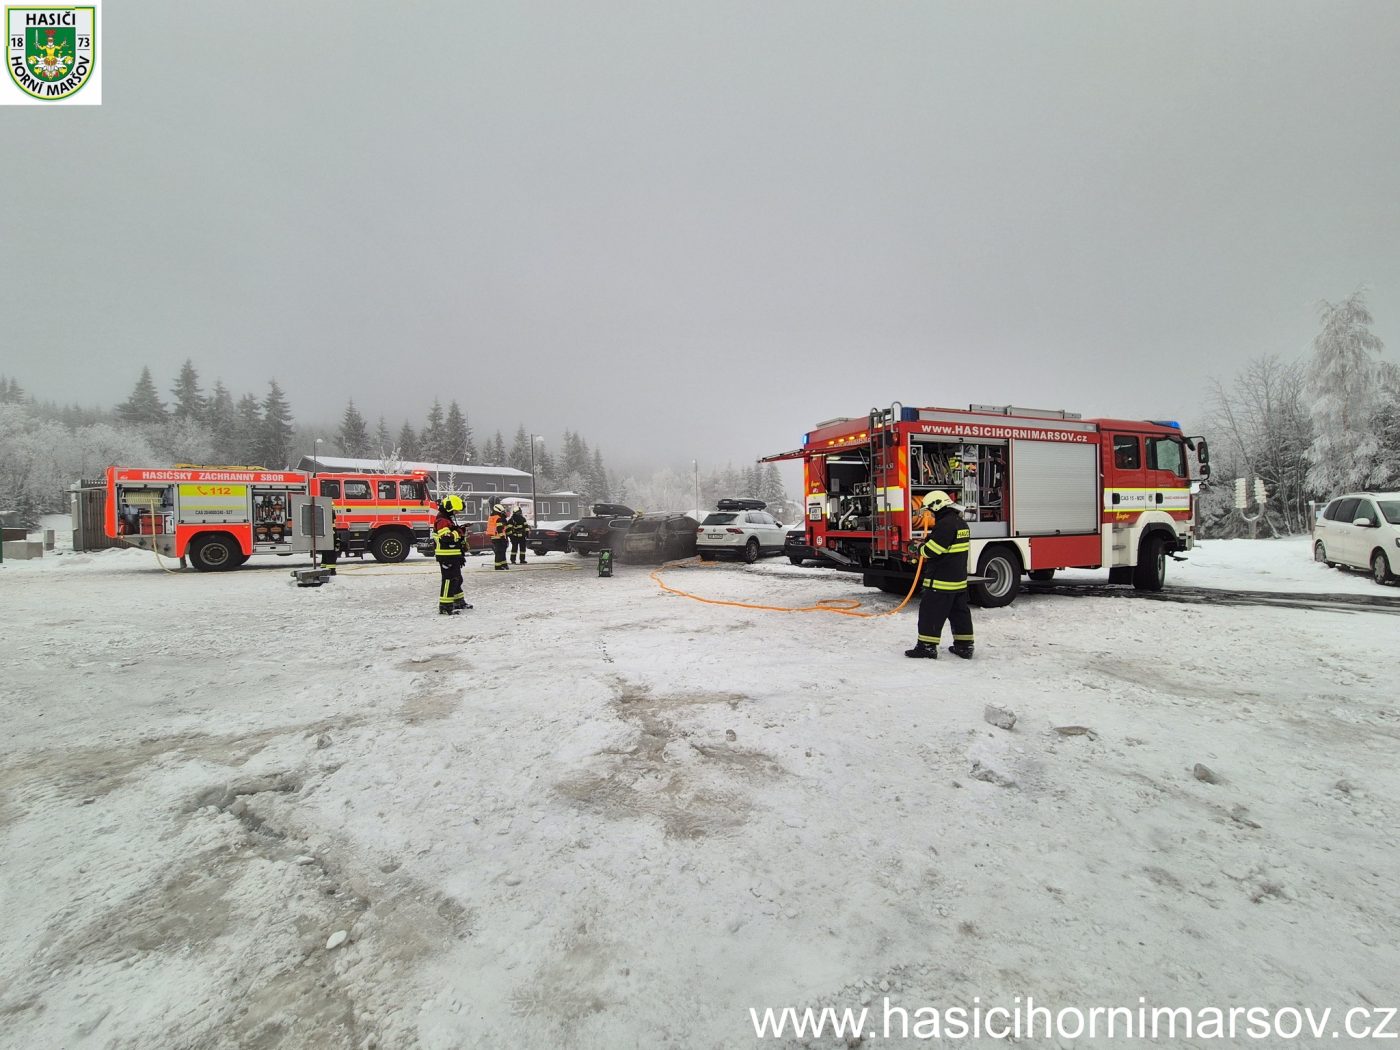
389, 545
1000, 569
215, 553
1151, 571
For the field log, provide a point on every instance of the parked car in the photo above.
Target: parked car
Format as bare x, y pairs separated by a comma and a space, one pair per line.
549, 536
655, 538
477, 540
739, 528
797, 548
589, 535
1361, 530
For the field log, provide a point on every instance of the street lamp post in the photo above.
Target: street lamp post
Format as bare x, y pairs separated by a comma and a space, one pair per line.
696, 464
534, 512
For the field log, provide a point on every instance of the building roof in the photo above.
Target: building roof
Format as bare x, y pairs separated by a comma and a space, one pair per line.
331, 464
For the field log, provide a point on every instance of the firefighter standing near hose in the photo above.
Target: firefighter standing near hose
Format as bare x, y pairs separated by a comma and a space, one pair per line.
450, 548
496, 529
516, 528
945, 552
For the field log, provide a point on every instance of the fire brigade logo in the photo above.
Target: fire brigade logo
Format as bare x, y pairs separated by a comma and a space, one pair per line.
52, 50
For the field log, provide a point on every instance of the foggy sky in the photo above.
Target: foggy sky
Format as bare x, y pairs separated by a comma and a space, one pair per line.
694, 230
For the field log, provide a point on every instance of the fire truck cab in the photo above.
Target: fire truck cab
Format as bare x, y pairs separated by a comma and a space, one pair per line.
1041, 490
384, 515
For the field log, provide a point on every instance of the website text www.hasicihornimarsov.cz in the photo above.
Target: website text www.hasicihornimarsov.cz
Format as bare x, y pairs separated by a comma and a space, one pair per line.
1024, 1018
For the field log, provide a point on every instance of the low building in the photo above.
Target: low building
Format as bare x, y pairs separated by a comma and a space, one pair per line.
478, 486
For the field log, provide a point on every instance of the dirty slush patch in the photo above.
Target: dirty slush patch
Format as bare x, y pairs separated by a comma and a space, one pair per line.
671, 773
334, 928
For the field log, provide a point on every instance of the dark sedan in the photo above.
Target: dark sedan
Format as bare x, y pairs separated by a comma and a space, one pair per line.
551, 536
796, 547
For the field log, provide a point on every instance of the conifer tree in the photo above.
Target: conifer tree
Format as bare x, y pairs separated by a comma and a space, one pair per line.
383, 444
276, 439
432, 439
144, 405
409, 448
598, 477
457, 435
222, 417
519, 456
354, 435
248, 433
189, 403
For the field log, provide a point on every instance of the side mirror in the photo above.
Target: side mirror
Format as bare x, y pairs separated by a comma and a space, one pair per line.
1364, 523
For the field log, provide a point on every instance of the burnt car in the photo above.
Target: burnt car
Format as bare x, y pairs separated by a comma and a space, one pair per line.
549, 536
654, 538
604, 528
796, 547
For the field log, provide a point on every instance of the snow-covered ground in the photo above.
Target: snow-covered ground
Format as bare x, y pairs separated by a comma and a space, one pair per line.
592, 813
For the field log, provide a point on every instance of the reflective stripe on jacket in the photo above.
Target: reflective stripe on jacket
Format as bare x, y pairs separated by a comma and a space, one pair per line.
945, 552
448, 537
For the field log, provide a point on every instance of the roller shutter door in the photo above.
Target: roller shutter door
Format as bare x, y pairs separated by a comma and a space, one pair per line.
1055, 488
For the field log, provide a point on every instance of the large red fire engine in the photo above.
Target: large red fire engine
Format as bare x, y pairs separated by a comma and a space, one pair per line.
218, 517
1041, 490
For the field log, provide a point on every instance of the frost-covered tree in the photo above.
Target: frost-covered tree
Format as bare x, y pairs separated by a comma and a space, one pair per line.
353, 435
184, 441
545, 466
189, 403
1263, 428
382, 442
144, 405
10, 393
1343, 379
408, 445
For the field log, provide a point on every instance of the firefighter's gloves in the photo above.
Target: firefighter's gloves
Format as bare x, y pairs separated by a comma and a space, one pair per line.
915, 546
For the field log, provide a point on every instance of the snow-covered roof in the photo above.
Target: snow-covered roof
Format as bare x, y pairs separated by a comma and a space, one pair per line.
334, 463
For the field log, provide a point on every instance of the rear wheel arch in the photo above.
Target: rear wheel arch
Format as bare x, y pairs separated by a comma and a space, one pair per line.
1000, 564
215, 552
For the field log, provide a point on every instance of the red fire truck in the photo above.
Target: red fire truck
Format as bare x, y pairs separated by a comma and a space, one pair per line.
1041, 490
218, 517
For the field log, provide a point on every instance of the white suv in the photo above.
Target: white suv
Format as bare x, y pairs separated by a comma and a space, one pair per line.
739, 528
1362, 530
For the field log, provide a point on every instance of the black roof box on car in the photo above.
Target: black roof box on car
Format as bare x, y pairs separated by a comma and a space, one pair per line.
741, 504
605, 509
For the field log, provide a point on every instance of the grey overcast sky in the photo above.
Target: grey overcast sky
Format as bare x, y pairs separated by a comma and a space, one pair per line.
694, 230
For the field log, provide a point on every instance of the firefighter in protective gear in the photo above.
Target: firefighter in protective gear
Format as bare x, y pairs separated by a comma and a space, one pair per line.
945, 552
496, 529
516, 529
450, 548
